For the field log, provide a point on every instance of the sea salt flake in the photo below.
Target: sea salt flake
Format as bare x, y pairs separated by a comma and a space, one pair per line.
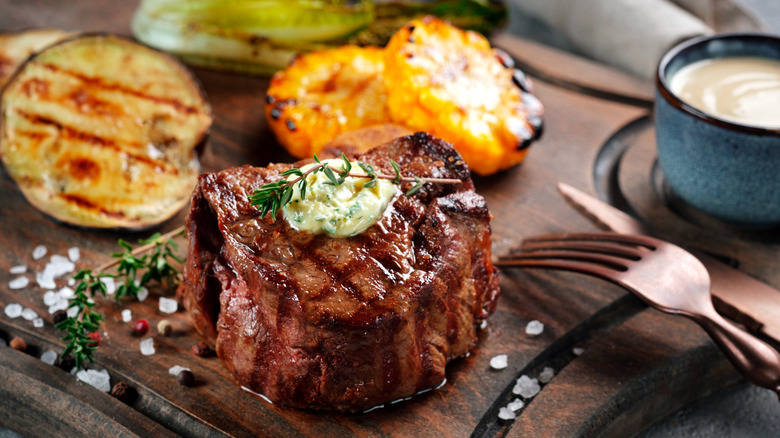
127, 315
38, 322
13, 310
74, 254
498, 362
143, 293
506, 414
176, 369
18, 269
18, 283
99, 379
49, 357
515, 405
61, 304
147, 347
39, 252
577, 351
483, 325
45, 280
526, 387
534, 328
71, 281
110, 285
73, 312
546, 375
29, 314
50, 297
66, 293
58, 266
168, 305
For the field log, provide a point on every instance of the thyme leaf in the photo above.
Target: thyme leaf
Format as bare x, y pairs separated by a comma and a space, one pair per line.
156, 267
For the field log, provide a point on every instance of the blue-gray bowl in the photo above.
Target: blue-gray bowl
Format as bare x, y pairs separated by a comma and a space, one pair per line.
728, 170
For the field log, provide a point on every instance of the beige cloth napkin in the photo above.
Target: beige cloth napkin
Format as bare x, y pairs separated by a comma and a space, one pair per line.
631, 35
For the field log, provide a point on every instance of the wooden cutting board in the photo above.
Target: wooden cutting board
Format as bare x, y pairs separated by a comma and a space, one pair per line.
636, 365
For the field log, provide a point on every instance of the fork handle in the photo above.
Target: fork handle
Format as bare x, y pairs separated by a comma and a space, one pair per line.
754, 358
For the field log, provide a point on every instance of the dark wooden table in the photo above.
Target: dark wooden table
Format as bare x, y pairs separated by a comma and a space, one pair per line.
637, 365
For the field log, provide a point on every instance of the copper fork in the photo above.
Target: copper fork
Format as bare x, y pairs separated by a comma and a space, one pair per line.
664, 276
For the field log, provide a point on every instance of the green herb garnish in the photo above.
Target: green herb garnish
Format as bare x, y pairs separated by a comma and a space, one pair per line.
156, 267
273, 196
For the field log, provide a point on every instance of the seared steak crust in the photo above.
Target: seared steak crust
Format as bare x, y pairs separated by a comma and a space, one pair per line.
319, 322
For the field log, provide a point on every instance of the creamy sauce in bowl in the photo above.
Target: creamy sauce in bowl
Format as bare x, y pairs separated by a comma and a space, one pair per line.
740, 89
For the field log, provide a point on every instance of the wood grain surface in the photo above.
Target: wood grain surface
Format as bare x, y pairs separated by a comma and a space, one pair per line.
637, 366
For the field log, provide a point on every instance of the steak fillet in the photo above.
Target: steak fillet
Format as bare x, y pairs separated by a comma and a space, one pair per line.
345, 324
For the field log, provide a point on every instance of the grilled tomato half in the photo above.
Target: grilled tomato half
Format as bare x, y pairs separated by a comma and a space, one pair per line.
325, 93
452, 84
99, 131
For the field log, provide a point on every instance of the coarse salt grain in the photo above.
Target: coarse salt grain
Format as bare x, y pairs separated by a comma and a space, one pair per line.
49, 357
577, 351
39, 252
176, 369
110, 285
18, 283
50, 297
61, 304
526, 387
45, 280
13, 310
498, 362
515, 405
143, 293
58, 266
74, 254
73, 312
483, 325
29, 314
18, 269
66, 293
127, 315
38, 322
168, 305
147, 347
534, 328
99, 379
506, 414
546, 375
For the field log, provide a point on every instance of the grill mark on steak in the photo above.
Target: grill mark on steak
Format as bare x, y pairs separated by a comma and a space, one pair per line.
346, 324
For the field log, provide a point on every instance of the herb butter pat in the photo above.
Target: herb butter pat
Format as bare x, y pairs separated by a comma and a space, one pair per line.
340, 210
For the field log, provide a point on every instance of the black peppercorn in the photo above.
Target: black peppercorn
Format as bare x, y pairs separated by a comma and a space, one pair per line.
124, 392
66, 364
186, 378
202, 350
59, 316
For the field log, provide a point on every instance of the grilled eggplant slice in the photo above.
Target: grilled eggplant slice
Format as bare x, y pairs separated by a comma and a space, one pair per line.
15, 48
99, 131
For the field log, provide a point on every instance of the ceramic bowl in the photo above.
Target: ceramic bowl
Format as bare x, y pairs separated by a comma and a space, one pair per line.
728, 170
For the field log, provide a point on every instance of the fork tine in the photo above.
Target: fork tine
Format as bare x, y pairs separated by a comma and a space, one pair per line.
578, 266
597, 258
645, 241
614, 249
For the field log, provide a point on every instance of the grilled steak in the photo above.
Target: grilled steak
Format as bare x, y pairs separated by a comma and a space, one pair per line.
318, 322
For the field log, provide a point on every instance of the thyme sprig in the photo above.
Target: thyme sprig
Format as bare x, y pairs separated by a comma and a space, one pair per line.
273, 196
156, 267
